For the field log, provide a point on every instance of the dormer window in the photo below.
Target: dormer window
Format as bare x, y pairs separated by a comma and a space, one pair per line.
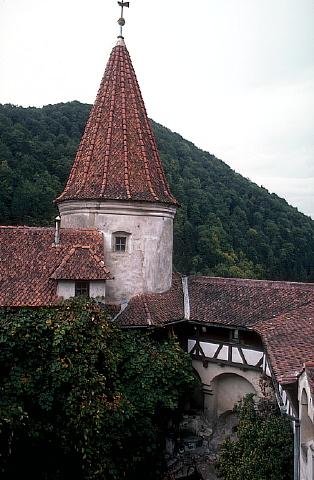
82, 288
81, 273
120, 242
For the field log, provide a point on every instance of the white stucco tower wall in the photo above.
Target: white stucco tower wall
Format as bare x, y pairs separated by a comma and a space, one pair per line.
146, 264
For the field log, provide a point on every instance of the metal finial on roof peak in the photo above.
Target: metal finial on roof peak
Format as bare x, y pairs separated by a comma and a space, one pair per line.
121, 20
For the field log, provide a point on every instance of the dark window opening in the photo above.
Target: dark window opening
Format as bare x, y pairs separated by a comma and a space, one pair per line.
82, 289
234, 335
120, 244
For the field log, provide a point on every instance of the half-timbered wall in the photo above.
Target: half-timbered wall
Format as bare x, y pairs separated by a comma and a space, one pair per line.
230, 363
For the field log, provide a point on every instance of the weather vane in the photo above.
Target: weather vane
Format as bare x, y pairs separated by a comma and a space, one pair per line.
121, 20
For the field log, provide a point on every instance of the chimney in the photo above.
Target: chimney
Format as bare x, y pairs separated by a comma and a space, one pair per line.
57, 230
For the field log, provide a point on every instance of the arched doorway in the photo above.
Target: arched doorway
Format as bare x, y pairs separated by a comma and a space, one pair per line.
227, 390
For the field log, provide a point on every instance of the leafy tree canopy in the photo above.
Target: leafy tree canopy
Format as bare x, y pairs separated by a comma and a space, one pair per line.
264, 448
80, 398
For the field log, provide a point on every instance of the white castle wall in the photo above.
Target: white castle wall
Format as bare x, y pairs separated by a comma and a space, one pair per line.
306, 413
226, 385
66, 289
146, 266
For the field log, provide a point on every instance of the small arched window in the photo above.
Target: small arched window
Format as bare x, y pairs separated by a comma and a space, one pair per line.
120, 242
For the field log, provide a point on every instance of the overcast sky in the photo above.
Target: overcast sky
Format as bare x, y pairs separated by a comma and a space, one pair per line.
236, 77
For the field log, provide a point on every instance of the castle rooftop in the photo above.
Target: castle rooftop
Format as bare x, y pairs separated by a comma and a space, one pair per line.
117, 158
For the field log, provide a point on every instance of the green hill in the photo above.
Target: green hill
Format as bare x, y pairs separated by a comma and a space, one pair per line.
227, 225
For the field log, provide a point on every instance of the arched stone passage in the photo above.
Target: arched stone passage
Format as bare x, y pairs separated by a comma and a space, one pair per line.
224, 386
227, 390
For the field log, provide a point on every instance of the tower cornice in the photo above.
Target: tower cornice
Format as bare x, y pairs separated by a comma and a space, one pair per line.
79, 207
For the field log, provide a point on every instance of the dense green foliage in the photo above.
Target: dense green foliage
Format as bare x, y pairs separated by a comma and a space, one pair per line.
79, 398
227, 225
264, 448
37, 147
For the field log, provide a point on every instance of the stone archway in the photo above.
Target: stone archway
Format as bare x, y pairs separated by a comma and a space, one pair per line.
227, 389
201, 434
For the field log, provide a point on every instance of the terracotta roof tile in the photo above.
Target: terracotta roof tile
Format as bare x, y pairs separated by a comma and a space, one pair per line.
281, 312
289, 341
222, 301
242, 302
81, 264
29, 259
156, 308
117, 158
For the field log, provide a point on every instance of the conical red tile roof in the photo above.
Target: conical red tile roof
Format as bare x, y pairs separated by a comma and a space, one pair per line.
117, 158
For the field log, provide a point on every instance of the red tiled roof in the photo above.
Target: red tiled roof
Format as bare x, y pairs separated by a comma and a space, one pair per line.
81, 264
155, 308
281, 312
223, 301
240, 302
29, 259
117, 158
289, 341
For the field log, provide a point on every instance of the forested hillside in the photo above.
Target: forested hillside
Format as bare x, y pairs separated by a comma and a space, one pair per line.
226, 225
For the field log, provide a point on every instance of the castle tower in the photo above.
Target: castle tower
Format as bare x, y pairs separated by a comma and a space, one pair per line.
117, 184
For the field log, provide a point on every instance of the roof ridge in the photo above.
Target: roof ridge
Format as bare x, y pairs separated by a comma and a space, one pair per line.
64, 260
124, 127
149, 318
98, 260
72, 252
253, 280
151, 137
62, 229
26, 227
91, 142
109, 129
139, 129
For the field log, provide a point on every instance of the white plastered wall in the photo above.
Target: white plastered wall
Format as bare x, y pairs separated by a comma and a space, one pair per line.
225, 386
66, 289
146, 266
306, 413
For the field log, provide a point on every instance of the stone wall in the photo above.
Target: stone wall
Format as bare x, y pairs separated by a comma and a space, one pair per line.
226, 385
66, 289
146, 265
